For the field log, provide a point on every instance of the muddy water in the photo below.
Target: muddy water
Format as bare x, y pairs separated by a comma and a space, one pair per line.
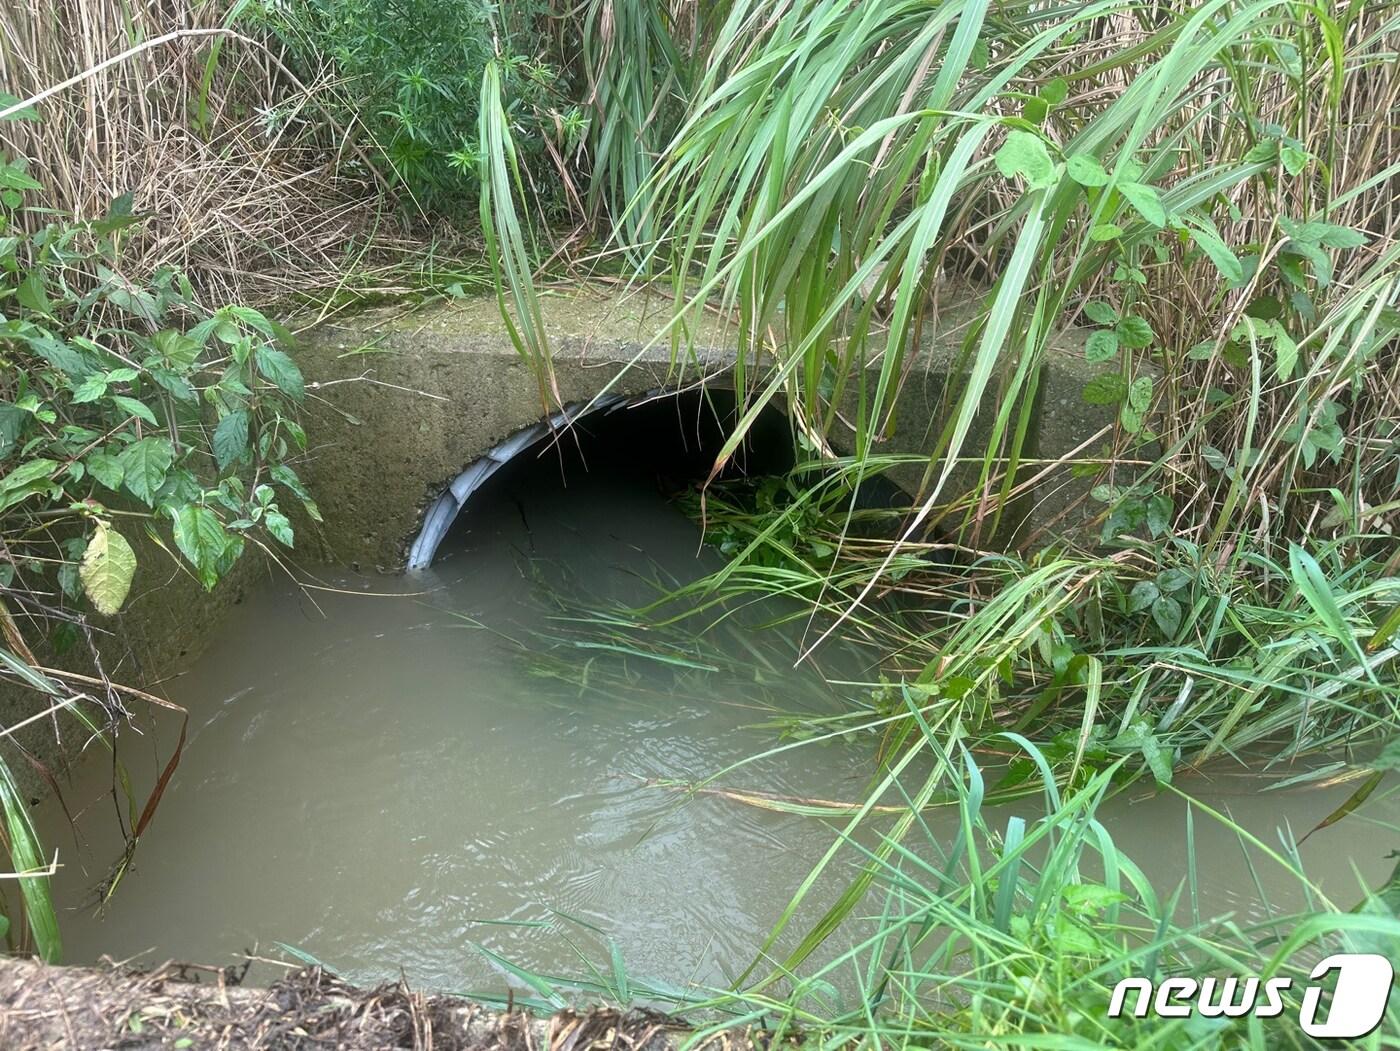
398, 773
388, 782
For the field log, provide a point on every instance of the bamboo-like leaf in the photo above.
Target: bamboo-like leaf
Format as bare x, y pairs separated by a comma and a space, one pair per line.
30, 868
511, 267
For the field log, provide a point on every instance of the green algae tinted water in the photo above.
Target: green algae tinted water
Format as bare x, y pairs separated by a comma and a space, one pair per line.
396, 772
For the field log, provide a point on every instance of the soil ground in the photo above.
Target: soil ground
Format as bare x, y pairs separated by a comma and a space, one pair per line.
94, 1009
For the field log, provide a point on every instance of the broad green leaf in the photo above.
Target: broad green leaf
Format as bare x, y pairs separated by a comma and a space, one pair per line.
1172, 580
1086, 171
90, 389
144, 465
1320, 234
107, 569
13, 177
60, 355
1100, 313
8, 101
1025, 155
1140, 393
25, 473
1102, 345
1218, 252
178, 387
201, 538
1262, 152
1106, 389
1105, 232
1159, 514
1166, 612
231, 438
1055, 91
1334, 236
13, 421
280, 370
27, 480
278, 525
1091, 897
1145, 200
1295, 161
131, 298
1135, 332
135, 408
176, 348
1071, 940
105, 468
284, 475
32, 293
1144, 593
1157, 757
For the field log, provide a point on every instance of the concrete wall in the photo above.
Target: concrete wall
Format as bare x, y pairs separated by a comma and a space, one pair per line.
404, 399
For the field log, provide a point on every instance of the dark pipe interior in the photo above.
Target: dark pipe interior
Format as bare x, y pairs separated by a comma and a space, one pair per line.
669, 444
666, 446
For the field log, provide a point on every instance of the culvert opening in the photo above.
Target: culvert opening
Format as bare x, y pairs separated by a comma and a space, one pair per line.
671, 439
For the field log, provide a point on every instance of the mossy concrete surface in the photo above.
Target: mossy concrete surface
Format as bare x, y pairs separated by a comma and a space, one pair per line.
404, 398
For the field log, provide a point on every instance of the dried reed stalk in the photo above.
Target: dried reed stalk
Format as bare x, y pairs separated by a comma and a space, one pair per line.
234, 161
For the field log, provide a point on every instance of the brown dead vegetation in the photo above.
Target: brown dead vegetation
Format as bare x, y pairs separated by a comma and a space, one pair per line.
86, 1009
245, 179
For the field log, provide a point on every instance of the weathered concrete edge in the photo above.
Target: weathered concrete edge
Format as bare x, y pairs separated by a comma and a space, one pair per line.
437, 387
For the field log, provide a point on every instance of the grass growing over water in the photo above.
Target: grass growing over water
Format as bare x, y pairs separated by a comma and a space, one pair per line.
1014, 931
1207, 191
1014, 927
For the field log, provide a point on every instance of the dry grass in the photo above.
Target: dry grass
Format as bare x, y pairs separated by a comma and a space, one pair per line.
69, 1007
233, 160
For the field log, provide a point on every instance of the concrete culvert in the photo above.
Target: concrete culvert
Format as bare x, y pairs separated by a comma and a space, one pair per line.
676, 436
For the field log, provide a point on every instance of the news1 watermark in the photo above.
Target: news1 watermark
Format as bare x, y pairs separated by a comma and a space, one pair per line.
1354, 1009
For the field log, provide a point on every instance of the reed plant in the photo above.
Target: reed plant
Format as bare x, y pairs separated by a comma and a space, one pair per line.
1011, 926
1200, 198
199, 124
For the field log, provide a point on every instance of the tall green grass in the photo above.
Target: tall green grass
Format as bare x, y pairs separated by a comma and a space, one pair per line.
1010, 926
1201, 197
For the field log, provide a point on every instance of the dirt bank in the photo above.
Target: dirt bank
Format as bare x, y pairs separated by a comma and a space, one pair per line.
85, 1009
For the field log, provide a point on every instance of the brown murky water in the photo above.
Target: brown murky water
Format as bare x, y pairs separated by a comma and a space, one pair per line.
391, 782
